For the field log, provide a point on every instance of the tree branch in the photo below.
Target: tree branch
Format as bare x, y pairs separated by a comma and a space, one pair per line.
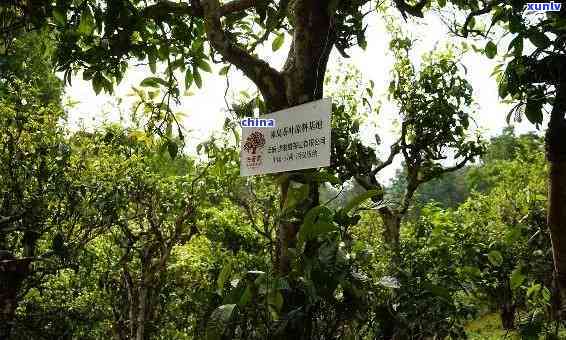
314, 37
453, 168
193, 9
550, 69
412, 187
250, 213
9, 219
395, 149
473, 14
414, 10
236, 6
268, 80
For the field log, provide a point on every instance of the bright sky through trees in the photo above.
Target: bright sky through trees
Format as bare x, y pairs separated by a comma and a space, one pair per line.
206, 109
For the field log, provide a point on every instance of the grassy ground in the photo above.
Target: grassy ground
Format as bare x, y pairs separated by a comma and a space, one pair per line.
488, 327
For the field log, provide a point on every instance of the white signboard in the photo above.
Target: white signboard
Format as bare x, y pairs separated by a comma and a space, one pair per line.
300, 139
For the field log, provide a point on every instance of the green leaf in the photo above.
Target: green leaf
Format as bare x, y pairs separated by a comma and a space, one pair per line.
197, 44
275, 299
224, 275
502, 88
495, 258
317, 221
96, 87
152, 62
203, 65
533, 289
438, 291
474, 272
172, 148
496, 70
515, 24
153, 82
476, 48
179, 63
197, 78
88, 74
163, 52
472, 23
97, 82
559, 23
60, 16
86, 24
234, 295
518, 47
224, 70
546, 294
328, 253
517, 278
152, 94
188, 79
539, 39
296, 195
441, 3
274, 314
356, 201
533, 111
278, 42
107, 84
246, 297
219, 321
513, 236
498, 15
490, 49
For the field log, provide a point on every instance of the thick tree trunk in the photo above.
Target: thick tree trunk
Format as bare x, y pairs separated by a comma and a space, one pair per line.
557, 222
138, 307
142, 310
132, 303
556, 155
300, 81
391, 235
392, 227
303, 80
12, 273
285, 234
507, 313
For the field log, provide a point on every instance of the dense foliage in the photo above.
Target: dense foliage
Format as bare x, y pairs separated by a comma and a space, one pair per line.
118, 232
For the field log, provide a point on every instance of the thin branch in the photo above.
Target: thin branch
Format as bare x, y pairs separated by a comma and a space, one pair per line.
408, 196
455, 167
193, 9
395, 149
236, 6
414, 10
473, 14
549, 69
335, 197
268, 80
250, 213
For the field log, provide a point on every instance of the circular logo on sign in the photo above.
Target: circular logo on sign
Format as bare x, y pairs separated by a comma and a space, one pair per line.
254, 143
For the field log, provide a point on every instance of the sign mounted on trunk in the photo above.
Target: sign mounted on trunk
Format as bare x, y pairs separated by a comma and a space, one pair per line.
299, 140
